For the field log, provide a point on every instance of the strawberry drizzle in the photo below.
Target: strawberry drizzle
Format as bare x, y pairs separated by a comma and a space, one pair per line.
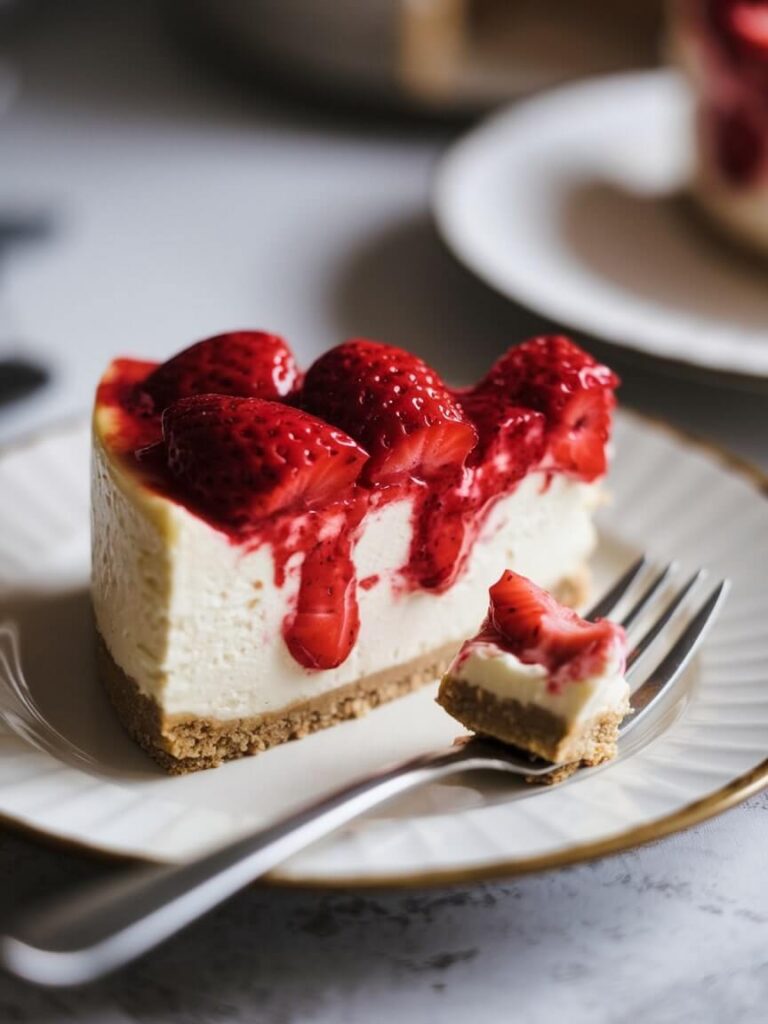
529, 623
448, 512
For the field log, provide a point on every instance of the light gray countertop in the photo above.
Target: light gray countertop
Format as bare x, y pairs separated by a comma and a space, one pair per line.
154, 205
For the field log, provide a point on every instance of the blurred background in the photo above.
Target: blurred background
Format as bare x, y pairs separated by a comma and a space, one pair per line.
173, 169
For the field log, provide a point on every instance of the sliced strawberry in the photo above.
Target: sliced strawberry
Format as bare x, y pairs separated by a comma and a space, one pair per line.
242, 363
242, 459
511, 437
538, 630
574, 392
578, 444
739, 145
749, 21
744, 24
324, 628
394, 405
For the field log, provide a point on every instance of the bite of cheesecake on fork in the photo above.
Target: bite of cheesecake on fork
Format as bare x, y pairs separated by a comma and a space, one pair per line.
555, 686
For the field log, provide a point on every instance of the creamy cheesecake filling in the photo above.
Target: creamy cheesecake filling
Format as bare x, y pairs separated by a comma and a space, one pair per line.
489, 668
196, 620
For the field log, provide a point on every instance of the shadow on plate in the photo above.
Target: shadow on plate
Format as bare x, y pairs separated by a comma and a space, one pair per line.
659, 249
49, 686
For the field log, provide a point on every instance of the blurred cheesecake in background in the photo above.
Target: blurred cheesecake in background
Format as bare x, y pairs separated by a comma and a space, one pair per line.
438, 56
722, 45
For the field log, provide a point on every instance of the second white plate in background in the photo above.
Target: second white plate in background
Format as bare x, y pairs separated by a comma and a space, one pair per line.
571, 205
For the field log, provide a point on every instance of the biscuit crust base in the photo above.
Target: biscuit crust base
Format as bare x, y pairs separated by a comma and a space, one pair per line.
533, 729
187, 743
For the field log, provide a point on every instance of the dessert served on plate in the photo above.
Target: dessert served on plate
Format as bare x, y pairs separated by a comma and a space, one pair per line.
541, 678
723, 47
276, 552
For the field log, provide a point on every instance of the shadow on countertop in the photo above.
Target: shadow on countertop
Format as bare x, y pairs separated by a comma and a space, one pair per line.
20, 378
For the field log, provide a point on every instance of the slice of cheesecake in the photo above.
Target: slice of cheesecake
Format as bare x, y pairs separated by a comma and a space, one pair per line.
541, 678
274, 553
722, 48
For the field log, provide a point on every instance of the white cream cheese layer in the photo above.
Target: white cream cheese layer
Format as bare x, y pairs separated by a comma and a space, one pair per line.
490, 668
197, 621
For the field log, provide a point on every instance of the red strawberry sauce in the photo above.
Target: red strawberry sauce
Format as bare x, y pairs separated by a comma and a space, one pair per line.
557, 419
731, 39
529, 623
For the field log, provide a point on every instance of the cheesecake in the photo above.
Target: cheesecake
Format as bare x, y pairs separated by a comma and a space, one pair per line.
722, 47
539, 677
275, 551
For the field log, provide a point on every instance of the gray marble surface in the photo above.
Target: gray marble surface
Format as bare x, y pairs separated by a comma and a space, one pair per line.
320, 228
671, 933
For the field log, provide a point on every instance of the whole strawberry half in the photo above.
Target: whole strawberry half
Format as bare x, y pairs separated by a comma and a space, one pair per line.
571, 389
538, 630
243, 363
241, 459
394, 405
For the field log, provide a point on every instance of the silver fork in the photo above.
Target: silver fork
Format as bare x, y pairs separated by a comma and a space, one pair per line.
98, 929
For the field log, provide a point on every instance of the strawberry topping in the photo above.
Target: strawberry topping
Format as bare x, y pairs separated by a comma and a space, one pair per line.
743, 25
529, 623
448, 520
512, 437
394, 405
134, 422
572, 390
738, 144
732, 36
749, 23
248, 364
240, 445
243, 459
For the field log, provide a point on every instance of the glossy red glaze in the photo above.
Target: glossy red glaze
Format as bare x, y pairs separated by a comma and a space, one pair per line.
395, 405
528, 622
731, 39
242, 465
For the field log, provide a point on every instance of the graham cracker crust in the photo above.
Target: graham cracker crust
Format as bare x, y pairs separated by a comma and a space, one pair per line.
182, 744
186, 743
533, 729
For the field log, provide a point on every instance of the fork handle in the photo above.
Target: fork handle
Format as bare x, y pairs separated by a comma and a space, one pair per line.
95, 930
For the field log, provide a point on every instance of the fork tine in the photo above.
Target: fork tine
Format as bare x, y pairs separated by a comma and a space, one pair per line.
647, 639
678, 656
608, 601
649, 592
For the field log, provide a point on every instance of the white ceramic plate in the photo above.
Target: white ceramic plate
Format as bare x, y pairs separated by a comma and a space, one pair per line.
86, 783
570, 205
